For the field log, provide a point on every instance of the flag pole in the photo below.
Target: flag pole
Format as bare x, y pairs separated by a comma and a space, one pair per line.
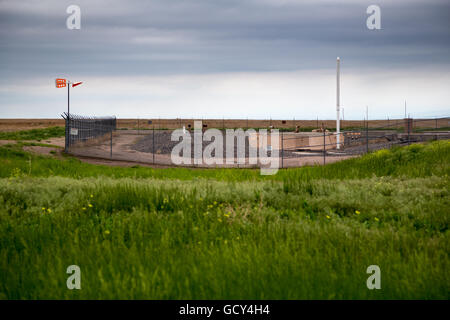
68, 115
338, 122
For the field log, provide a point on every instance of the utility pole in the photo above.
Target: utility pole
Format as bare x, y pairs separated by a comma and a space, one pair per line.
367, 113
367, 129
338, 129
61, 83
324, 149
282, 150
68, 116
405, 109
153, 144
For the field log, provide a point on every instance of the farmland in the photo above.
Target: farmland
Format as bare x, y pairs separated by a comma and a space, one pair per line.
178, 233
304, 125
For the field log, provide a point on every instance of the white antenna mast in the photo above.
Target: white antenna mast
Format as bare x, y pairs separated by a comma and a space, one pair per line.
338, 129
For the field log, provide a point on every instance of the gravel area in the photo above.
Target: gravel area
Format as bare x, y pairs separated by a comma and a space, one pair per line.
164, 145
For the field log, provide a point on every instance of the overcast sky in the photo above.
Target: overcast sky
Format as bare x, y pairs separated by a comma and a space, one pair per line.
225, 58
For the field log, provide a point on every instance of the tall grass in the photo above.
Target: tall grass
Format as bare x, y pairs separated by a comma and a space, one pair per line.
307, 233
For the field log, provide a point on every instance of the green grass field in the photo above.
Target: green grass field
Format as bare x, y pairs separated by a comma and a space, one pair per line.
306, 233
33, 134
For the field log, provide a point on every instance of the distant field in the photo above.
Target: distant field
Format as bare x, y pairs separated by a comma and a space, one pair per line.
25, 124
305, 233
33, 134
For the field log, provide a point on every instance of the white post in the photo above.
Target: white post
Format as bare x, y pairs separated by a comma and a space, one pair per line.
405, 109
338, 129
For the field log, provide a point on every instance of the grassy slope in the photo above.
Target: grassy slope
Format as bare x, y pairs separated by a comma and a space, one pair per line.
180, 233
414, 161
33, 134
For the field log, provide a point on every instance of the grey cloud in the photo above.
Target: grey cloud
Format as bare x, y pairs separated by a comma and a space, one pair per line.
166, 37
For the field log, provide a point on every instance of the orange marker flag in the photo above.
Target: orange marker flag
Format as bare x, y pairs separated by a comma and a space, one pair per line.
60, 83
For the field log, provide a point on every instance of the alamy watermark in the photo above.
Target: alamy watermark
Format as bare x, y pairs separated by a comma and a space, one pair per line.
373, 22
74, 20
74, 280
261, 146
374, 281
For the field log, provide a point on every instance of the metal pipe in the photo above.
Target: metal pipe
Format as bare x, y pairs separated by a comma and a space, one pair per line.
338, 129
282, 150
68, 116
324, 150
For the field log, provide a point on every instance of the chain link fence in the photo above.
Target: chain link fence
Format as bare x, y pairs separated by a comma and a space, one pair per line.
148, 142
84, 131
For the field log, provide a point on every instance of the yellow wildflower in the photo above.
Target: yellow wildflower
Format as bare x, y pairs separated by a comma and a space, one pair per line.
49, 210
328, 217
90, 205
357, 212
376, 219
107, 232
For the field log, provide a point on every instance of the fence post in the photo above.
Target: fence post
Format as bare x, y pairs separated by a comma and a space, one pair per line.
367, 136
409, 129
66, 144
282, 150
324, 150
111, 142
153, 144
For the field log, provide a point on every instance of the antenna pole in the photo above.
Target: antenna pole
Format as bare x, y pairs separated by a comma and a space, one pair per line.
68, 116
338, 129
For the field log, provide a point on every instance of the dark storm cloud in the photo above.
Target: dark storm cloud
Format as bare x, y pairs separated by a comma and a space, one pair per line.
169, 37
233, 58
